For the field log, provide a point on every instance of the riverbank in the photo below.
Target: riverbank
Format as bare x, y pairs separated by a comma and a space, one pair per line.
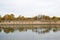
28, 26
29, 22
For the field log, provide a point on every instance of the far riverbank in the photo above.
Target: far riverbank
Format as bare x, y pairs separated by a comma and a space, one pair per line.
29, 22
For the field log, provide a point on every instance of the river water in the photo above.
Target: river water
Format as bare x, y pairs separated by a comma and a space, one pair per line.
29, 33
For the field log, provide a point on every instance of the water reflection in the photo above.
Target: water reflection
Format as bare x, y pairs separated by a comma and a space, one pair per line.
39, 31
34, 29
0, 30
8, 30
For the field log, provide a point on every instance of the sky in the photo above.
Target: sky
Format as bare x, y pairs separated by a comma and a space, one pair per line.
30, 8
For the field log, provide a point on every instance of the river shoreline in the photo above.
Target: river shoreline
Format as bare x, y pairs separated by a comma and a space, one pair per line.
29, 22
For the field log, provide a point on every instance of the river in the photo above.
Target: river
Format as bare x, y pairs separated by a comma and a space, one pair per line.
22, 33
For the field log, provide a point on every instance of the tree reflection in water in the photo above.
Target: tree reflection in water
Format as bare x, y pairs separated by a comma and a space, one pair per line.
38, 30
56, 29
41, 30
8, 30
0, 30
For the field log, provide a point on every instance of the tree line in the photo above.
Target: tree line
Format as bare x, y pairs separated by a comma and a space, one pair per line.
11, 17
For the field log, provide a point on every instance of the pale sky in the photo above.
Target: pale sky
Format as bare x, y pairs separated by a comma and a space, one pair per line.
30, 8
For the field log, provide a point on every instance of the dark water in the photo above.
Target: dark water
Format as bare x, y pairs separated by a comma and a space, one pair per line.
23, 33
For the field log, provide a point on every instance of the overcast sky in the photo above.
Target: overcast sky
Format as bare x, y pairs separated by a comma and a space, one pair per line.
30, 8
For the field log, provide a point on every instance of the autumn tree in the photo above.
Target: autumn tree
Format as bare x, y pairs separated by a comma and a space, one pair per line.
55, 18
6, 17
44, 18
0, 18
11, 17
35, 17
20, 17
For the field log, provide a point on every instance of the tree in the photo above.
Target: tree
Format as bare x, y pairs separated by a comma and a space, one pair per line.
6, 17
11, 17
45, 18
35, 17
20, 17
0, 18
55, 18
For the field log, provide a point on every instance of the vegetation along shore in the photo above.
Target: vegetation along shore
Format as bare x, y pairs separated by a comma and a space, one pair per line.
39, 19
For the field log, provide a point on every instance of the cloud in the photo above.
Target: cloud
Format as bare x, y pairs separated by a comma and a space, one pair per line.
30, 7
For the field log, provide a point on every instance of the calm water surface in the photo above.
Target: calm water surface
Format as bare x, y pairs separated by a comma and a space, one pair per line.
29, 33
